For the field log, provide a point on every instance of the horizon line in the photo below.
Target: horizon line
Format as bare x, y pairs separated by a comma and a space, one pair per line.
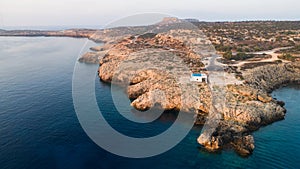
208, 21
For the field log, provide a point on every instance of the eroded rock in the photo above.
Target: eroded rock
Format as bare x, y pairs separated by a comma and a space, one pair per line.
246, 107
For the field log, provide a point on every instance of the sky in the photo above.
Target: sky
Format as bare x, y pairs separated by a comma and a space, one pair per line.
102, 12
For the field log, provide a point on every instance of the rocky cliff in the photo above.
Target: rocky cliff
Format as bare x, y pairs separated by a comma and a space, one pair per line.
246, 107
270, 77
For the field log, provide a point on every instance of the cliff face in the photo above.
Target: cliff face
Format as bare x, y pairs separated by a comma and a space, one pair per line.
249, 106
245, 110
269, 77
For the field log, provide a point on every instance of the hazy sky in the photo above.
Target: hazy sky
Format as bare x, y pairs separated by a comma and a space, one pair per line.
101, 12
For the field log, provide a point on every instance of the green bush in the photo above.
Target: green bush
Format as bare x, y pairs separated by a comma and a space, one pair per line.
228, 55
287, 56
239, 56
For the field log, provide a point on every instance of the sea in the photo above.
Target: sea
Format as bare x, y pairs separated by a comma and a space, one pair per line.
39, 128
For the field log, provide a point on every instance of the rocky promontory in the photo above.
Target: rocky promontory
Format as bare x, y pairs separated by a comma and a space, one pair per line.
246, 108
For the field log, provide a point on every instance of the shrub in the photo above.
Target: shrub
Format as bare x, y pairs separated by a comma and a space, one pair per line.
287, 56
228, 55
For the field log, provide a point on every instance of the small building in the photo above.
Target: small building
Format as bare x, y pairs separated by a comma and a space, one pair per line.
198, 77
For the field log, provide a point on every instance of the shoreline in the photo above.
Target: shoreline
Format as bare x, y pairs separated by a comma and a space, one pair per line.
74, 33
249, 108
250, 103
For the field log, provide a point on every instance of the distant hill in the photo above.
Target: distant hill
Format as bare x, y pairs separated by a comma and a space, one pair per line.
191, 20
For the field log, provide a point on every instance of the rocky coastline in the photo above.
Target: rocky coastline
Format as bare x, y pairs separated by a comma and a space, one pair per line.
247, 105
76, 33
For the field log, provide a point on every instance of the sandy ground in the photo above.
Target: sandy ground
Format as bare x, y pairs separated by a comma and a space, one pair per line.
221, 78
218, 76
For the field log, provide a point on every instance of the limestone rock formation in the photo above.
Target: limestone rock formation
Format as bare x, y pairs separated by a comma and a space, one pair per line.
246, 107
269, 77
92, 57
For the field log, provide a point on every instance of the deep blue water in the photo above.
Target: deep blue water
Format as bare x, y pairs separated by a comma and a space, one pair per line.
50, 27
39, 127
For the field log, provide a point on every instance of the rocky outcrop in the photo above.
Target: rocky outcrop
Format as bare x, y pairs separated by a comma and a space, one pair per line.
245, 110
92, 57
230, 135
247, 107
270, 77
151, 64
251, 107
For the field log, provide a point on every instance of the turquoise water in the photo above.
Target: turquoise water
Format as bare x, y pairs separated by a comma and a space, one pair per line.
39, 127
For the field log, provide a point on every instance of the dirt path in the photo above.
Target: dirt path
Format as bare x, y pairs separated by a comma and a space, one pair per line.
217, 74
268, 52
